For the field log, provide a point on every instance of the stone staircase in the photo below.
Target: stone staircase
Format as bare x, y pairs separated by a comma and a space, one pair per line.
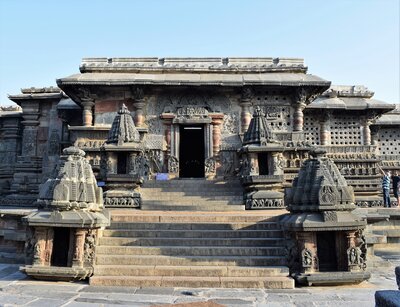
192, 249
192, 195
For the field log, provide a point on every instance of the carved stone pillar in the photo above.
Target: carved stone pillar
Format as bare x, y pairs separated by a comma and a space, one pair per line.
87, 115
139, 117
167, 120
253, 163
138, 103
308, 251
300, 99
30, 132
325, 131
77, 260
366, 132
375, 135
351, 238
245, 103
216, 122
298, 116
43, 247
245, 115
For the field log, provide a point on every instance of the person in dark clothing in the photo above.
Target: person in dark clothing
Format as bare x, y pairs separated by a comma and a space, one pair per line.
395, 185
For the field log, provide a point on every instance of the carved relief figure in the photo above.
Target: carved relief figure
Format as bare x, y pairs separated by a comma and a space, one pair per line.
306, 258
210, 166
173, 164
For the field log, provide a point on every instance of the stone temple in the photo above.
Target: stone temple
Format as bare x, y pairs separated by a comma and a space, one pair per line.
197, 172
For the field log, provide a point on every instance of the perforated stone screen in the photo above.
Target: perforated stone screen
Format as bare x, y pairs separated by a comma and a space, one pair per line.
311, 129
345, 130
389, 141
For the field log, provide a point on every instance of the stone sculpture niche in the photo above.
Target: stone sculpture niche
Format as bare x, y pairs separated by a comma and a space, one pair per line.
325, 239
65, 228
261, 166
123, 164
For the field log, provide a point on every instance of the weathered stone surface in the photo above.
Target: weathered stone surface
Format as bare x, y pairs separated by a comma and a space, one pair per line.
321, 223
73, 186
123, 129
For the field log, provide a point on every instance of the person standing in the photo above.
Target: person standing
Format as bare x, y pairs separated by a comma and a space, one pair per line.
386, 188
396, 185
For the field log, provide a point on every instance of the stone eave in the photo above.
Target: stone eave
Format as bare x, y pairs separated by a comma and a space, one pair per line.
350, 103
194, 79
11, 114
391, 118
18, 99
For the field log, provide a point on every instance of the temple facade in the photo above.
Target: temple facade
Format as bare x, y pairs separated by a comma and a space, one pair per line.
191, 115
249, 123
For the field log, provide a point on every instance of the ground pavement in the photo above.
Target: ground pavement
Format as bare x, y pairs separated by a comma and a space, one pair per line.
17, 290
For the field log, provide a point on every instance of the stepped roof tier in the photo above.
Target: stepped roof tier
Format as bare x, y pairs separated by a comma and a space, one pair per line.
391, 118
349, 97
123, 129
258, 132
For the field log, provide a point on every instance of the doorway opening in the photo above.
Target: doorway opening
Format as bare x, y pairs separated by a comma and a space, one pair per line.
59, 255
263, 163
122, 158
326, 251
191, 152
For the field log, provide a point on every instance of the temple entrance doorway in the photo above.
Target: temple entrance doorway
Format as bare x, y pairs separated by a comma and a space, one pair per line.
191, 152
326, 251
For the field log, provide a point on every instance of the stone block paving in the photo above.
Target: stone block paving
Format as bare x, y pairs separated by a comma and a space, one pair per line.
18, 290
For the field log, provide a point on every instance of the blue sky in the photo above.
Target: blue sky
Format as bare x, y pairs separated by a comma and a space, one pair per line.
346, 42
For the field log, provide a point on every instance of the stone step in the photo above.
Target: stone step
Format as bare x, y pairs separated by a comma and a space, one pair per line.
190, 201
190, 241
192, 182
215, 271
167, 197
194, 217
195, 191
194, 233
191, 251
190, 260
192, 207
149, 192
193, 226
194, 282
